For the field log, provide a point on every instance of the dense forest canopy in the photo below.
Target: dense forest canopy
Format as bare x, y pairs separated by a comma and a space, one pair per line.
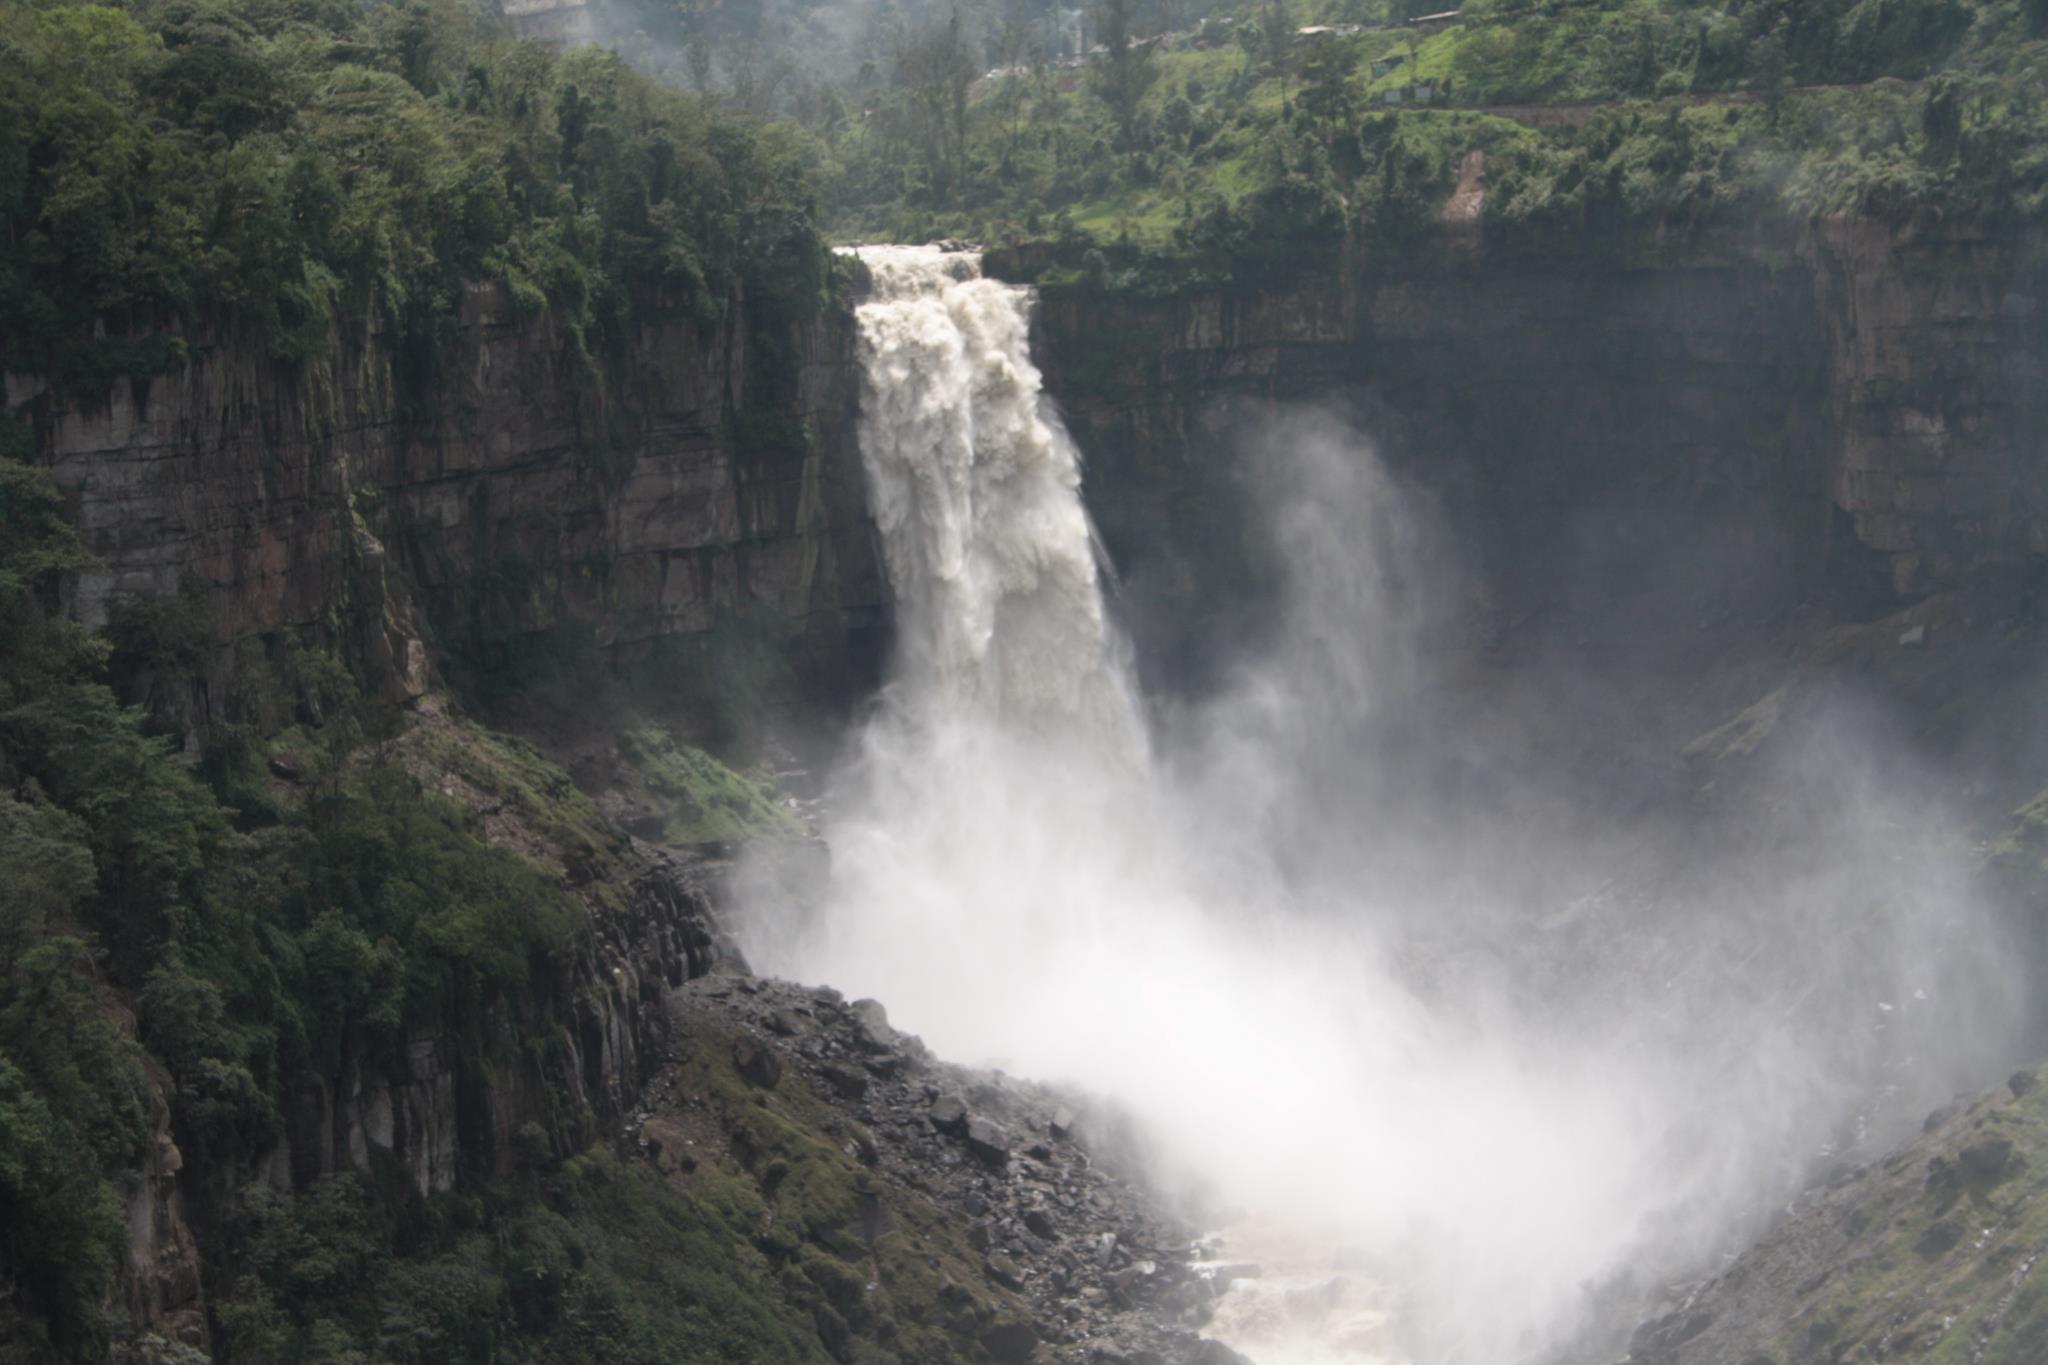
1290, 123
302, 169
297, 170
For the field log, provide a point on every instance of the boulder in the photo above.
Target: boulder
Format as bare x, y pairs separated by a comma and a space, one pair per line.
846, 1083
988, 1141
948, 1115
871, 1025
1987, 1158
757, 1062
1009, 1340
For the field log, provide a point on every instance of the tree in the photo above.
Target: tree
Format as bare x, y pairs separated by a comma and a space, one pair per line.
935, 68
1015, 52
1276, 41
1325, 83
1126, 72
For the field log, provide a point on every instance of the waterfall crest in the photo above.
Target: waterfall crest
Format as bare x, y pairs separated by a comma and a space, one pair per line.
976, 489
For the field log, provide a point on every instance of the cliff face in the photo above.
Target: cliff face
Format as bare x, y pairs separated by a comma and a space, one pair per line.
489, 492
1866, 412
1937, 347
405, 509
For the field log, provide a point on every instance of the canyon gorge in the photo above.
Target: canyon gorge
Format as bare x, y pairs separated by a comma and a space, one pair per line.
1535, 790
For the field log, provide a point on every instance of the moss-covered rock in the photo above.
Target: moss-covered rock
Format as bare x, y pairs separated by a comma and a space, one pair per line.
1934, 1253
694, 797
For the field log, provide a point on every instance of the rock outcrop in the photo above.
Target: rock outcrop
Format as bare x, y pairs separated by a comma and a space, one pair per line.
1052, 1251
1862, 407
1937, 346
491, 491
440, 1109
1935, 1251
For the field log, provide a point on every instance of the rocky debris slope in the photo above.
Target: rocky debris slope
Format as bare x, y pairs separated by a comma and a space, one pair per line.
1008, 1194
1935, 1252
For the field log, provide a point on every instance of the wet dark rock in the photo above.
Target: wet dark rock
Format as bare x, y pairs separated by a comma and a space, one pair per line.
872, 1022
1987, 1158
1134, 1280
845, 1082
1009, 1340
987, 1141
1941, 1236
1003, 1270
833, 1332
1049, 1222
1940, 1116
757, 1062
948, 1115
2023, 1084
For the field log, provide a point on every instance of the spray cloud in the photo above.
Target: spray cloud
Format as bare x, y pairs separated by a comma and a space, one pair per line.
1433, 1023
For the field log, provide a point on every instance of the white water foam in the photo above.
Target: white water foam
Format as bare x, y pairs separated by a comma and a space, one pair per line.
1435, 1178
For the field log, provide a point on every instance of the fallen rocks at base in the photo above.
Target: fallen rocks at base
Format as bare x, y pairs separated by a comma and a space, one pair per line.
1093, 1270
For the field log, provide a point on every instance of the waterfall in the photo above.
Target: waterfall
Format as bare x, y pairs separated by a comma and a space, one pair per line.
1464, 1105
976, 489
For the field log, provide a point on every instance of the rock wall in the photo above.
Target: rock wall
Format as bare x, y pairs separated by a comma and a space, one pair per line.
410, 508
1865, 412
435, 1110
1937, 346
490, 490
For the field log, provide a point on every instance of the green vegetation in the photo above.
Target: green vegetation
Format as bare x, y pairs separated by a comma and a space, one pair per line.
205, 918
905, 1288
1237, 157
597, 1260
699, 798
755, 1253
303, 173
254, 941
1942, 1249
304, 900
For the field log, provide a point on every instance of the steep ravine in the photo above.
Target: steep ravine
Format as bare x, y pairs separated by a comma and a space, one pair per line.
1867, 415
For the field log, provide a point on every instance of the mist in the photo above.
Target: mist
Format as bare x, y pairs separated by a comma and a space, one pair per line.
1472, 1040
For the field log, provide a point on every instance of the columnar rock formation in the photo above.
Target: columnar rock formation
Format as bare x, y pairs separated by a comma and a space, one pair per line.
495, 489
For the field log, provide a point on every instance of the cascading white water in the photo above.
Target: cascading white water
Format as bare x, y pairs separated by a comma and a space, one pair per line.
1450, 1166
976, 490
